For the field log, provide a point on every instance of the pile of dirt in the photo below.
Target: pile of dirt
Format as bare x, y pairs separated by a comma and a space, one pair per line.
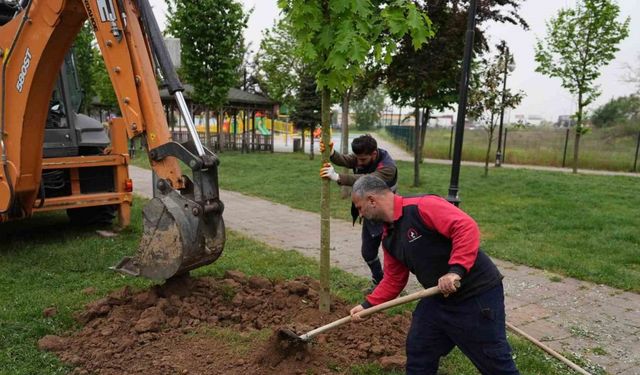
223, 326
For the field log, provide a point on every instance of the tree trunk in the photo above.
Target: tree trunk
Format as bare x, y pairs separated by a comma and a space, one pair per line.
220, 123
416, 147
486, 158
423, 130
253, 130
207, 129
235, 130
302, 138
311, 141
576, 147
242, 135
325, 208
345, 191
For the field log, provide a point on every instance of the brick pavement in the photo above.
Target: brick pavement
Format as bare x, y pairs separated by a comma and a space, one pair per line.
595, 322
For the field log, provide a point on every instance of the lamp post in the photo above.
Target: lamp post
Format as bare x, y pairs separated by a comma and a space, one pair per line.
462, 105
509, 66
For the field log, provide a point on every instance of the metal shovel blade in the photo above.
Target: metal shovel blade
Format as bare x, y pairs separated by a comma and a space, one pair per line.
177, 237
287, 334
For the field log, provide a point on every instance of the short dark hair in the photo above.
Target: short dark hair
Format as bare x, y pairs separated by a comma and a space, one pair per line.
364, 144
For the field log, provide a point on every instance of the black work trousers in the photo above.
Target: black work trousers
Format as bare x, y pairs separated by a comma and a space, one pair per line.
475, 325
371, 238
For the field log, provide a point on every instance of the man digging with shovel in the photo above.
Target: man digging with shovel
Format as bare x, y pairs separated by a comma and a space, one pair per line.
439, 243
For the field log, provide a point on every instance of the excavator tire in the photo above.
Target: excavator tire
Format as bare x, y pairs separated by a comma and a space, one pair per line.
97, 215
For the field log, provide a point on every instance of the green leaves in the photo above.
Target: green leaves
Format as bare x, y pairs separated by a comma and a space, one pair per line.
486, 98
212, 45
278, 64
625, 109
86, 60
338, 36
579, 42
419, 35
395, 20
306, 114
429, 77
367, 111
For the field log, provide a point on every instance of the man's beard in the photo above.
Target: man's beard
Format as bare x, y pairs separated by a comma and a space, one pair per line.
375, 218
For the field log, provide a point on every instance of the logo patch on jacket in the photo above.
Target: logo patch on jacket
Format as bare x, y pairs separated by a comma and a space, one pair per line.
413, 234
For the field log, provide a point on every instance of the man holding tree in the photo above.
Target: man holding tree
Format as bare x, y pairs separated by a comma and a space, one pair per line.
366, 158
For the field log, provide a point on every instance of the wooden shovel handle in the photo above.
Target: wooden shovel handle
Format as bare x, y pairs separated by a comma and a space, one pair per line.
374, 309
401, 300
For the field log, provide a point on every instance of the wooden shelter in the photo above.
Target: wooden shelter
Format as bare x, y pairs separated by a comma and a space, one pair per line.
238, 130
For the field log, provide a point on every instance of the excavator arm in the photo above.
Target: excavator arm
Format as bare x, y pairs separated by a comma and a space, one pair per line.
183, 226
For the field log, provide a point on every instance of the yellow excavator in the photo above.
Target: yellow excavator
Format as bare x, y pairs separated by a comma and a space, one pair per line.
53, 158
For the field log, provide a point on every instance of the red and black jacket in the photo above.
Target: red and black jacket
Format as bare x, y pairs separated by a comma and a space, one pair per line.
430, 237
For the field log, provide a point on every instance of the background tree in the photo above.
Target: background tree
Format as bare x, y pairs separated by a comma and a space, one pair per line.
210, 32
579, 42
246, 72
367, 80
92, 74
85, 57
278, 67
633, 75
306, 114
337, 37
486, 98
428, 78
367, 111
103, 86
617, 111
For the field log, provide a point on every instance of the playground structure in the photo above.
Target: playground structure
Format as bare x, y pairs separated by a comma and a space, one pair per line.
236, 124
248, 121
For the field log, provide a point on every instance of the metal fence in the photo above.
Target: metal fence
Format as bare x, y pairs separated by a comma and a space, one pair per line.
608, 149
230, 141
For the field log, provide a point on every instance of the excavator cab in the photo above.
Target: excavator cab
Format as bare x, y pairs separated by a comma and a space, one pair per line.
183, 225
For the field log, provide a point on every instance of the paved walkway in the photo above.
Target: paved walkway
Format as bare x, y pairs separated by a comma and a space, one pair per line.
593, 321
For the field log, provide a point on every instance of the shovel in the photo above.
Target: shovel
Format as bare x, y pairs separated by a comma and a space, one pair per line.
289, 335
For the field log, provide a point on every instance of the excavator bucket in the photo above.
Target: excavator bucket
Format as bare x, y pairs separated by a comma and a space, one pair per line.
179, 235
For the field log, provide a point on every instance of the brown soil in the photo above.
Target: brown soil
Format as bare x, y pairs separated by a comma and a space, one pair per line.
224, 326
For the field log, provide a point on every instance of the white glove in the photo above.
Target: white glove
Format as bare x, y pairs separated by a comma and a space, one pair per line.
327, 171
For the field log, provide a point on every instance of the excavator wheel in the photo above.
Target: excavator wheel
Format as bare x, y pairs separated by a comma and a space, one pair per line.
96, 215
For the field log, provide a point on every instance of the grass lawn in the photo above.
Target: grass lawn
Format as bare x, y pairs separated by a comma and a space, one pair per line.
609, 149
44, 262
580, 226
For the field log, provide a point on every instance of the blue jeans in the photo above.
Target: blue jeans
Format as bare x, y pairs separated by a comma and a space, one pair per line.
475, 325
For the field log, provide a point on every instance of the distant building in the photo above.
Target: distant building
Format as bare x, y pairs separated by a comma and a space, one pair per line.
534, 120
395, 119
441, 121
529, 120
565, 121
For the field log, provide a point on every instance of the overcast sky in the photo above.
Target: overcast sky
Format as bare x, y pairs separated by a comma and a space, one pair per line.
545, 96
